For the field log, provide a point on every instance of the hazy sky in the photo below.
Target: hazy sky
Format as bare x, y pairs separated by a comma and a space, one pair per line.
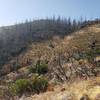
12, 11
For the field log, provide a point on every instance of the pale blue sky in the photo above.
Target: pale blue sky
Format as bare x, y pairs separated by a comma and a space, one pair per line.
12, 11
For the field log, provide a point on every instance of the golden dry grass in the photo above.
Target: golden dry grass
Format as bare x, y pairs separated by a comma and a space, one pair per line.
72, 91
78, 40
79, 88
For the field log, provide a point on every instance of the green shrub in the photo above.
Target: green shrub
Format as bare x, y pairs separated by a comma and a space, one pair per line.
19, 87
39, 84
39, 68
97, 51
91, 54
42, 68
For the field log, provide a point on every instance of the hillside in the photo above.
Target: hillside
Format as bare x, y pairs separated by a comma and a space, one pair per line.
79, 42
87, 89
71, 66
16, 38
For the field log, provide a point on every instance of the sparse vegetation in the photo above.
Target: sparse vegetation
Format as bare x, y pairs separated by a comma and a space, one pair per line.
39, 84
39, 68
35, 31
36, 84
20, 86
54, 60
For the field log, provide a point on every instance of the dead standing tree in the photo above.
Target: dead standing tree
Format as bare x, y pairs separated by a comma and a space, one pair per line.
58, 68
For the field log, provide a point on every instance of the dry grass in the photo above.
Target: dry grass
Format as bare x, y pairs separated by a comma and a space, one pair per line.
78, 40
83, 37
72, 91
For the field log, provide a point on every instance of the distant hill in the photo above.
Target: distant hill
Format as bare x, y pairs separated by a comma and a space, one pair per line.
16, 38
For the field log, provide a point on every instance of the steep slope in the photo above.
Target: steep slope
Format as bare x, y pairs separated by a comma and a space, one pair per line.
88, 89
77, 89
80, 40
15, 39
13, 46
69, 61
83, 38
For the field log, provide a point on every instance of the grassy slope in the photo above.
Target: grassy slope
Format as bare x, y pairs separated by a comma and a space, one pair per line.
76, 90
83, 37
73, 91
78, 40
